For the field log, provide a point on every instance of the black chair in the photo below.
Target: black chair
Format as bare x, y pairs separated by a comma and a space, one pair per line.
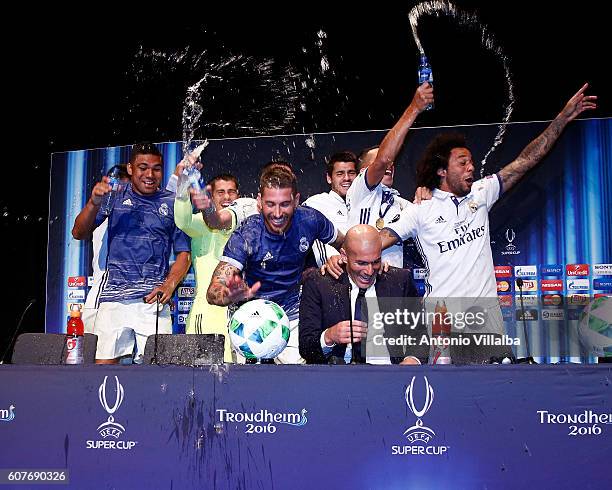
185, 349
50, 348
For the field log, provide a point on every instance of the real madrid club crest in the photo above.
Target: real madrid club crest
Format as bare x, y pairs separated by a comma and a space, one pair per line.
304, 244
163, 209
473, 205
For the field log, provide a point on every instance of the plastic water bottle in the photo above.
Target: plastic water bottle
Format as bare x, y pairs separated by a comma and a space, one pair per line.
193, 176
425, 75
440, 332
75, 341
109, 199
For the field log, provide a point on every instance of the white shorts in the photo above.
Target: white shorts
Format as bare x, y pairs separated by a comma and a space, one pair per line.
121, 325
88, 315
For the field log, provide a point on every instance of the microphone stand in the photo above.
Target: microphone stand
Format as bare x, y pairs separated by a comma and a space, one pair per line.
528, 359
157, 298
8, 347
353, 360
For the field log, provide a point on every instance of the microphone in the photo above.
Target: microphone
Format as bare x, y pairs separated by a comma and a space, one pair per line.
528, 359
158, 297
350, 288
8, 347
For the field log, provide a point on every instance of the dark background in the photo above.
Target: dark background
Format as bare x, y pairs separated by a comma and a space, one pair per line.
81, 81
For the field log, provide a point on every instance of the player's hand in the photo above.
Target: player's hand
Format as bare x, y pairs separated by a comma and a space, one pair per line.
100, 190
423, 97
333, 266
384, 267
578, 104
238, 290
166, 291
340, 333
422, 194
202, 200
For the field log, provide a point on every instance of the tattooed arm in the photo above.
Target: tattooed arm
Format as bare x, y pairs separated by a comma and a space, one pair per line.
539, 147
227, 286
388, 238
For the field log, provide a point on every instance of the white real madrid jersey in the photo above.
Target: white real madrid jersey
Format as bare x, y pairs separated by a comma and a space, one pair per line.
334, 209
452, 235
369, 205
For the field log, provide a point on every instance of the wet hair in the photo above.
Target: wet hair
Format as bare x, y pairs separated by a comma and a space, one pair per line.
342, 156
227, 177
436, 157
276, 163
123, 173
364, 153
144, 148
278, 177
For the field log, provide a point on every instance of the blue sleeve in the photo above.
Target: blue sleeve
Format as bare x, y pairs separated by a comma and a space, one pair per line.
326, 231
181, 242
99, 217
236, 250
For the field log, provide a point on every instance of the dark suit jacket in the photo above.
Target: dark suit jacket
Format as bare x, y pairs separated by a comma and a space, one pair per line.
325, 302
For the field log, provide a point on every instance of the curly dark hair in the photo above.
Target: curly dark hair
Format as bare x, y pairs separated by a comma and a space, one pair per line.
435, 157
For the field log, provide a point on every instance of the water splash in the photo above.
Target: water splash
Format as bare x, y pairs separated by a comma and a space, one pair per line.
192, 111
220, 371
471, 21
322, 35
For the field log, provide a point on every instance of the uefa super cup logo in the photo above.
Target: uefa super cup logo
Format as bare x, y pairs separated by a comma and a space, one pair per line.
510, 236
419, 432
110, 428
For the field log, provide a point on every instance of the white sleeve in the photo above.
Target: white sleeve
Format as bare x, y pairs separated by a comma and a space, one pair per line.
358, 191
172, 183
326, 348
407, 226
243, 207
491, 189
322, 252
403, 203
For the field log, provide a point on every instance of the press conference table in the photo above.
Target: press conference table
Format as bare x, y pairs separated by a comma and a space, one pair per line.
267, 426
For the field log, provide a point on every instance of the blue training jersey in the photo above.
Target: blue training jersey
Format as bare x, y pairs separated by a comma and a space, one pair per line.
141, 236
277, 260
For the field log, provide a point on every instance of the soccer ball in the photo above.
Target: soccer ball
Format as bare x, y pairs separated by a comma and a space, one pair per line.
259, 329
595, 327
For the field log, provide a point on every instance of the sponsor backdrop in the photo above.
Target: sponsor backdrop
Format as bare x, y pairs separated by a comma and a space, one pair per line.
554, 230
387, 427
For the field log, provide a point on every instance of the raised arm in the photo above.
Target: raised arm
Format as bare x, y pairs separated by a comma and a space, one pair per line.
216, 219
539, 147
393, 141
84, 223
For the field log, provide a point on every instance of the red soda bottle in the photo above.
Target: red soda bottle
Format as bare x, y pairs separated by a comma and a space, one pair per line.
441, 331
74, 338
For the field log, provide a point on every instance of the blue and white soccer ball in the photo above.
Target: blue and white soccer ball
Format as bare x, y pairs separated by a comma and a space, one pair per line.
259, 329
595, 327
